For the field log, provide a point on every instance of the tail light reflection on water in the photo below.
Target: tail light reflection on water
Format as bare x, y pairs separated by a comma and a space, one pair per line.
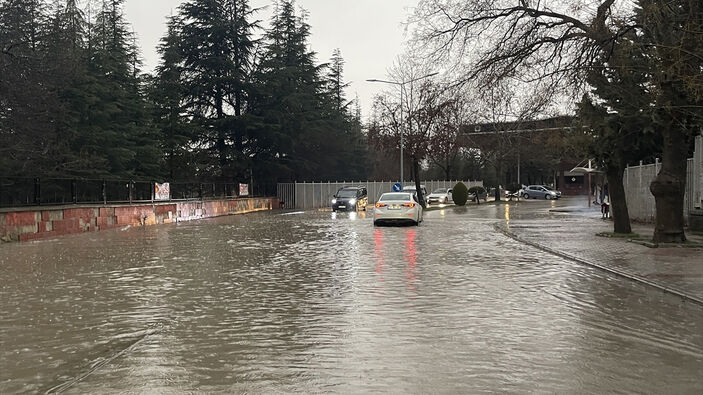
409, 252
410, 258
378, 251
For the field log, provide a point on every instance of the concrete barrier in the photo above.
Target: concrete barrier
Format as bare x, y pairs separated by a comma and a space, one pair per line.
26, 224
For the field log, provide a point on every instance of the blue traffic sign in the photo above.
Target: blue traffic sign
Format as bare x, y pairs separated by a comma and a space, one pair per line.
397, 187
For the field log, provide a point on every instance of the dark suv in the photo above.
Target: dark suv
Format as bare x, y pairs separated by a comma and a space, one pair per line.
350, 198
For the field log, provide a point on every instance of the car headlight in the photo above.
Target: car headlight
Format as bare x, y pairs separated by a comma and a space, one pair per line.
352, 201
334, 201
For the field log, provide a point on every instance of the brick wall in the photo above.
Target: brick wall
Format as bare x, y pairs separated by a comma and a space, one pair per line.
35, 224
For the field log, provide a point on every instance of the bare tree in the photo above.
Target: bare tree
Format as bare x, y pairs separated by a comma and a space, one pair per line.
445, 141
562, 43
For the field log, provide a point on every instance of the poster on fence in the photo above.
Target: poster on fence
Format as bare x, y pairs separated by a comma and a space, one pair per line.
243, 189
162, 191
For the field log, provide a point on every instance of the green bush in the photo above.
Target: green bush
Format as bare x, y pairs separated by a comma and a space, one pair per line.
460, 194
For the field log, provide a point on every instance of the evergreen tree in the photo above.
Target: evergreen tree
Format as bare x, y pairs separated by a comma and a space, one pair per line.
116, 135
217, 50
26, 132
169, 113
673, 38
290, 139
618, 117
66, 66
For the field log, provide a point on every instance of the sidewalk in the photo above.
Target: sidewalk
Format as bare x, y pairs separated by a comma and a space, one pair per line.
572, 235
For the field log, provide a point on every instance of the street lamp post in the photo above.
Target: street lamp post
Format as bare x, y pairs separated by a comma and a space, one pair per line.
401, 84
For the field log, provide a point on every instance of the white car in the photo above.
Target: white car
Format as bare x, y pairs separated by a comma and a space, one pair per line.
440, 196
411, 189
395, 207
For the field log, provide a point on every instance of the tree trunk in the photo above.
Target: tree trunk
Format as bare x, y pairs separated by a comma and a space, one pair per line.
221, 145
416, 177
618, 201
669, 187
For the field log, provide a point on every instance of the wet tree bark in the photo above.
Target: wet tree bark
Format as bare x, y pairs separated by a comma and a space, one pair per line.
669, 186
618, 201
416, 177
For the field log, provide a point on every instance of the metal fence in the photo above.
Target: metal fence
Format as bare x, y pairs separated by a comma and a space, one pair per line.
314, 195
640, 201
17, 191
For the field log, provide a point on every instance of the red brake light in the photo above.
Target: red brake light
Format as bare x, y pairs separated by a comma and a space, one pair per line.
379, 205
411, 205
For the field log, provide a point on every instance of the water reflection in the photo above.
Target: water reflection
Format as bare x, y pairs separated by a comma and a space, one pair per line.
320, 302
379, 251
410, 258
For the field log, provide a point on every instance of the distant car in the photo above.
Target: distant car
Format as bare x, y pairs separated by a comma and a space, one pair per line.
412, 189
397, 207
440, 196
539, 192
350, 198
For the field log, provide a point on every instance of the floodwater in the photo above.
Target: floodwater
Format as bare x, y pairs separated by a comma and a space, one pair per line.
324, 302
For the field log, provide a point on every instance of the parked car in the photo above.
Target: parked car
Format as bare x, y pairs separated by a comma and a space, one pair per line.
440, 196
350, 198
397, 207
411, 188
539, 192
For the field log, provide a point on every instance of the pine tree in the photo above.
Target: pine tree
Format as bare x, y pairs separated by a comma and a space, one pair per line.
217, 49
289, 141
169, 113
618, 117
672, 34
116, 135
26, 132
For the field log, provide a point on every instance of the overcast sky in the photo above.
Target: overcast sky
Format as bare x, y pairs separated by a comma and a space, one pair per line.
370, 34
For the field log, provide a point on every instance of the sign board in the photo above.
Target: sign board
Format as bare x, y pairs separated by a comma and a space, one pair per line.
397, 187
243, 189
162, 191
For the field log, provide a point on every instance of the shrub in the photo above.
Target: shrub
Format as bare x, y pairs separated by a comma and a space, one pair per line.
460, 194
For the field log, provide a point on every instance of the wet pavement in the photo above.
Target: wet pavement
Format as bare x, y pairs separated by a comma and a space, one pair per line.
571, 229
324, 302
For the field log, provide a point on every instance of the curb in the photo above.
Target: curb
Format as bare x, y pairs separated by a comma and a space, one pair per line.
619, 273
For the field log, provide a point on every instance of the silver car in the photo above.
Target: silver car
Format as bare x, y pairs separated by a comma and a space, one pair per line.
440, 196
539, 192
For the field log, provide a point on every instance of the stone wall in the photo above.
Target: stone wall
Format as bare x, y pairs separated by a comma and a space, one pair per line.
28, 224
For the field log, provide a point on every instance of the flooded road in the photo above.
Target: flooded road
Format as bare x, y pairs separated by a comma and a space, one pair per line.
324, 302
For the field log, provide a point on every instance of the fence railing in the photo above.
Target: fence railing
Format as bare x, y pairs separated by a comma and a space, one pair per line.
640, 202
314, 195
19, 191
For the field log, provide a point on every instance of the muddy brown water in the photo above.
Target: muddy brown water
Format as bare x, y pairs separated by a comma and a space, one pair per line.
323, 302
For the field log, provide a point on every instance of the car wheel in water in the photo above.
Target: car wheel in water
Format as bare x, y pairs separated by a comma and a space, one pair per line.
548, 197
525, 195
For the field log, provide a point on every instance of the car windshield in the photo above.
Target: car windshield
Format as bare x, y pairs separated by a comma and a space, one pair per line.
394, 196
440, 190
346, 193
